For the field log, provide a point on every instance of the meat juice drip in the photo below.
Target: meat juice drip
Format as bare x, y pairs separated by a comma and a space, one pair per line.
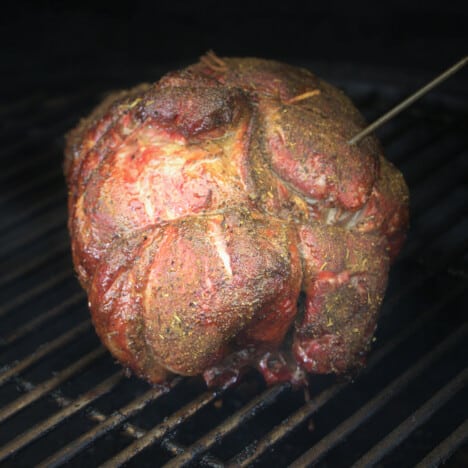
276, 367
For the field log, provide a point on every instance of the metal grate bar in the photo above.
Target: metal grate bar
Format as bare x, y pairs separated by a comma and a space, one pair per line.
423, 181
438, 266
177, 449
252, 452
67, 243
45, 387
210, 461
23, 164
411, 423
50, 112
47, 425
44, 224
53, 281
247, 412
45, 128
43, 350
415, 174
403, 132
40, 288
408, 101
414, 246
42, 179
257, 449
444, 450
432, 191
314, 454
41, 319
42, 111
9, 257
413, 147
159, 431
35, 262
172, 447
47, 134
54, 221
450, 220
434, 160
33, 208
24, 267
107, 424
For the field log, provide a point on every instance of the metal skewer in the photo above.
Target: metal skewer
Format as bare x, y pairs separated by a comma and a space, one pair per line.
409, 100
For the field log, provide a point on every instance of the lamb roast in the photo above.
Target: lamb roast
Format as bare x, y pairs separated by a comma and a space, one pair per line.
219, 219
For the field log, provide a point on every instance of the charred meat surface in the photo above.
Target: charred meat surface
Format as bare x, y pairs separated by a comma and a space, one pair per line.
202, 206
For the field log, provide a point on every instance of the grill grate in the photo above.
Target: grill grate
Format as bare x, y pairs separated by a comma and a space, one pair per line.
63, 399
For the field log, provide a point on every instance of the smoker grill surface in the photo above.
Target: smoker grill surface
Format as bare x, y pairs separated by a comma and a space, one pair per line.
64, 400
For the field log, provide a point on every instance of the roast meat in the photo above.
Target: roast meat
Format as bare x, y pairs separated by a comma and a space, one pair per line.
219, 219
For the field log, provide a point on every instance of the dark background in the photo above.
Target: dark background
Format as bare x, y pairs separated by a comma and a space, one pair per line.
59, 44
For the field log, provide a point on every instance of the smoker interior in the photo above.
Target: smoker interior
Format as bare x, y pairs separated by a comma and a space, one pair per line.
63, 399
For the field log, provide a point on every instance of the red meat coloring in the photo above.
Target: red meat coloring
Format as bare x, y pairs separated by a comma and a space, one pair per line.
203, 206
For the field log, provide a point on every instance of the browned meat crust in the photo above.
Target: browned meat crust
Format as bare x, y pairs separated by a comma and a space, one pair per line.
201, 207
